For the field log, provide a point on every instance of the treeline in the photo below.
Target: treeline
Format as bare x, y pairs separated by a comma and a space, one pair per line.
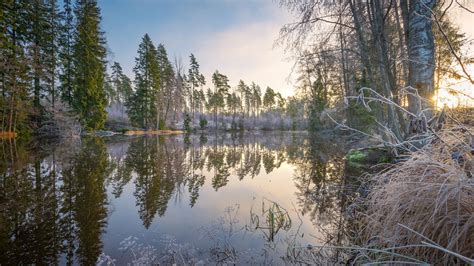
53, 60
165, 95
50, 55
403, 50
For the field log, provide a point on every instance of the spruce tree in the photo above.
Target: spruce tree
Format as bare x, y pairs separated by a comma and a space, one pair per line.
121, 84
165, 96
66, 41
14, 64
37, 43
142, 105
52, 46
89, 98
269, 99
195, 79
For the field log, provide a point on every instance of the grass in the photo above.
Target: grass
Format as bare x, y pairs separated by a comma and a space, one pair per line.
424, 207
272, 219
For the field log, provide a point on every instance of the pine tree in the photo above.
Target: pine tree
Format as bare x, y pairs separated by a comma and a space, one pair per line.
52, 46
110, 91
14, 64
257, 100
221, 85
66, 41
37, 43
269, 99
142, 106
242, 89
89, 66
121, 84
165, 96
196, 79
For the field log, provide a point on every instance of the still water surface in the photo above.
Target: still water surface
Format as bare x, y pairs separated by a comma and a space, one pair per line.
162, 200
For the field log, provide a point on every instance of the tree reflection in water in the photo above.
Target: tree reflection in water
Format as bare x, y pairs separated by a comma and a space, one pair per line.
49, 208
54, 205
326, 187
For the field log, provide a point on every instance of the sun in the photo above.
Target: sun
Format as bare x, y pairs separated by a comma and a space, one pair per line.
454, 94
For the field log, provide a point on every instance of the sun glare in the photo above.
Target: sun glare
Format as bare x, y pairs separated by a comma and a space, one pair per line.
454, 95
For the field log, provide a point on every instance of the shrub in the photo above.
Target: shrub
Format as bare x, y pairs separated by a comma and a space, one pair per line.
202, 122
187, 122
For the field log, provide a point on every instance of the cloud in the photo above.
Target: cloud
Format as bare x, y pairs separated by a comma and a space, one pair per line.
246, 51
234, 37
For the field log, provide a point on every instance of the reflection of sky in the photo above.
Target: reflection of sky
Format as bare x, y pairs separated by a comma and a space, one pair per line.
185, 223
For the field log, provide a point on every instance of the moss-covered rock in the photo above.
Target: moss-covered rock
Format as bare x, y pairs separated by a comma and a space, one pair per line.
368, 156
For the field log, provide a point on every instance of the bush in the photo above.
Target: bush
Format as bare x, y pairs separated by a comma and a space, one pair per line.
202, 122
360, 118
187, 123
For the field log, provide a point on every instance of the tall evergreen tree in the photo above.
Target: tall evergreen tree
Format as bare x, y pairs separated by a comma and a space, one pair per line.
89, 65
269, 99
66, 42
37, 42
196, 79
257, 100
14, 64
222, 87
121, 84
165, 95
52, 47
142, 106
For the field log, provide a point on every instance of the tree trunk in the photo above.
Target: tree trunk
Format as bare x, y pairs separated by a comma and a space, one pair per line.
421, 54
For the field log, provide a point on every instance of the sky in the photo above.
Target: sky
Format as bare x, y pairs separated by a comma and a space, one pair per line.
235, 37
464, 20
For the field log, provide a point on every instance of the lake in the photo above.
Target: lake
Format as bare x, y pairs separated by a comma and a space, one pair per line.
261, 198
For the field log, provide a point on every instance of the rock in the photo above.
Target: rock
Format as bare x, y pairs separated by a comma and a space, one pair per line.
369, 156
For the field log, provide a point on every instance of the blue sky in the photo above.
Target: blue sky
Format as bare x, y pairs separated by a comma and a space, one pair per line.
235, 37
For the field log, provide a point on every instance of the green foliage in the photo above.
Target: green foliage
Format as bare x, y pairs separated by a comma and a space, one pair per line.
89, 98
26, 63
161, 124
356, 156
66, 41
269, 99
318, 102
202, 122
121, 86
142, 105
187, 122
359, 117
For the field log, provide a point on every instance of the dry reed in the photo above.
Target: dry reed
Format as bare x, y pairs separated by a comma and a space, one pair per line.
424, 207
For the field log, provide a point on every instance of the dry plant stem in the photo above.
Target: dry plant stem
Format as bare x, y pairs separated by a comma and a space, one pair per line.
431, 197
427, 199
364, 249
